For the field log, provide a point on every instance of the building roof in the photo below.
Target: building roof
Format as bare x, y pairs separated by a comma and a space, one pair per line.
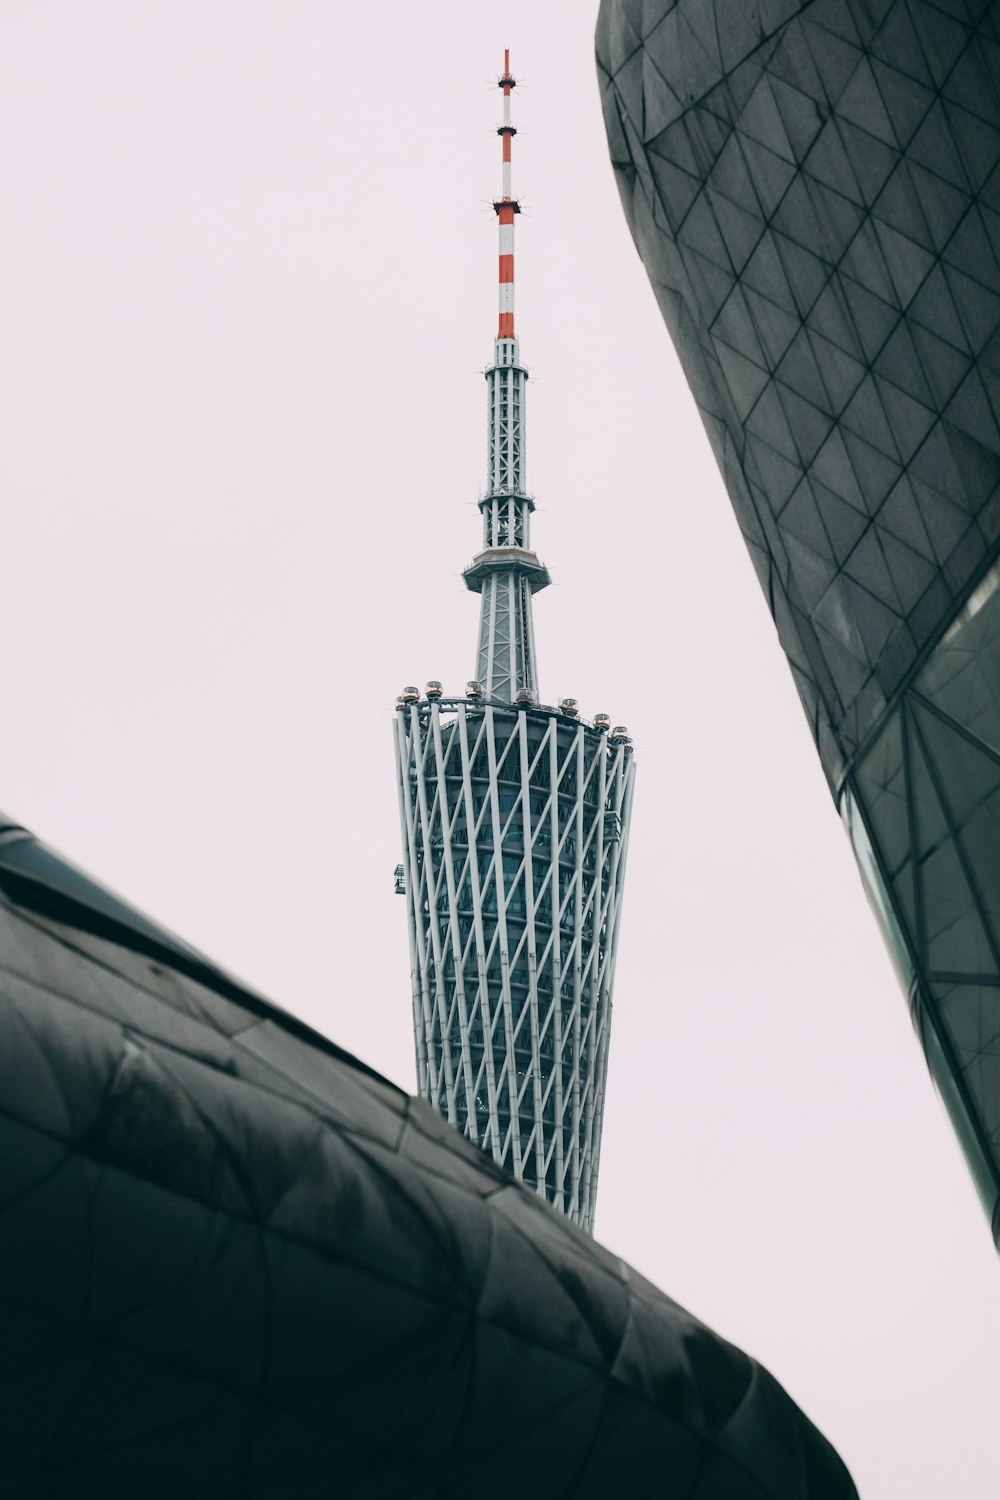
235, 1260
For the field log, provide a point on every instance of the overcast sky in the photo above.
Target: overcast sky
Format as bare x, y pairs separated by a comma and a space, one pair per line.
248, 291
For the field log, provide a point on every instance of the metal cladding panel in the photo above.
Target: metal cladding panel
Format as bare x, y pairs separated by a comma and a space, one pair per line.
815, 192
515, 829
234, 1261
923, 811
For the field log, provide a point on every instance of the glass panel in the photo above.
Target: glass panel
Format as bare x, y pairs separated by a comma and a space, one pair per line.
962, 677
923, 814
876, 891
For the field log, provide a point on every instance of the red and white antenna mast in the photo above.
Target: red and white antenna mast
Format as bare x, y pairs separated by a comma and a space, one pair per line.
506, 207
506, 572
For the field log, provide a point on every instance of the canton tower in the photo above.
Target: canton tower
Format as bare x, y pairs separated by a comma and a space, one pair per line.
515, 821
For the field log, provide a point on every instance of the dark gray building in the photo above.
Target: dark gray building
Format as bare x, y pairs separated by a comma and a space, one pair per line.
236, 1262
814, 189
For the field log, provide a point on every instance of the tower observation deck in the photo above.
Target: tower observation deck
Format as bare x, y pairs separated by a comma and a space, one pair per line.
515, 820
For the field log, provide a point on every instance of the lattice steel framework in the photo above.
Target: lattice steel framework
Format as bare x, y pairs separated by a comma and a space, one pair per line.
515, 820
506, 572
515, 826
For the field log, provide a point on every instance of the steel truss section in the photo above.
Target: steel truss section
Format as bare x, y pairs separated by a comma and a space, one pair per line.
516, 834
506, 572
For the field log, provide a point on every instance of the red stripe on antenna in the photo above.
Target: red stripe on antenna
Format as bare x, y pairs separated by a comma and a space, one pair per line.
506, 207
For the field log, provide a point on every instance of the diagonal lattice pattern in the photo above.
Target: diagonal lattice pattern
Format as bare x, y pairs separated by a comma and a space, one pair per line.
235, 1262
516, 831
814, 192
514, 819
506, 572
814, 189
923, 808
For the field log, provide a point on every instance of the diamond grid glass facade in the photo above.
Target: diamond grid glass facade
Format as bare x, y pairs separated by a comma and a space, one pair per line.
815, 192
928, 790
515, 827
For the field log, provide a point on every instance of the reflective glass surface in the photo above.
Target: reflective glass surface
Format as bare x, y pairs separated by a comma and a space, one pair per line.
234, 1262
514, 896
814, 189
929, 792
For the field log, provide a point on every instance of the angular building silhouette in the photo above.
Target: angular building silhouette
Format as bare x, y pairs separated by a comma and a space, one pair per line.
515, 820
815, 193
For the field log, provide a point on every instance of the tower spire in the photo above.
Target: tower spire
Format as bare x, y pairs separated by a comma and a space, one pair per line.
515, 818
506, 572
506, 207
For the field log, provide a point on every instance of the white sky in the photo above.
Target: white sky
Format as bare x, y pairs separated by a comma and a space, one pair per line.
248, 288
